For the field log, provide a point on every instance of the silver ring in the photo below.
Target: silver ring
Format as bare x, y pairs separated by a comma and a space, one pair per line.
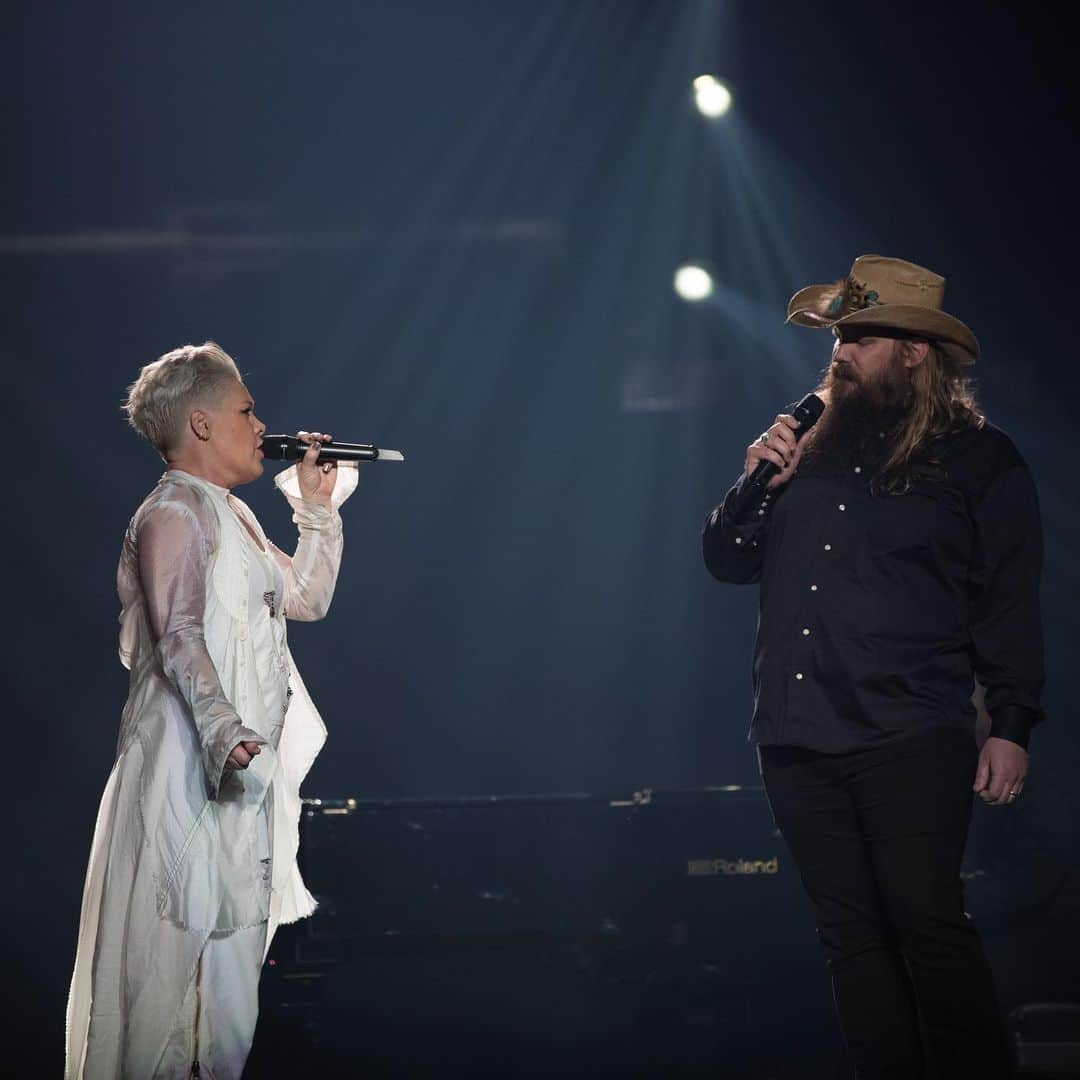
1014, 794
763, 437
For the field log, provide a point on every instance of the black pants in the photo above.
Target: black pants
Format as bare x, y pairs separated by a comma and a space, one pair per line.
878, 836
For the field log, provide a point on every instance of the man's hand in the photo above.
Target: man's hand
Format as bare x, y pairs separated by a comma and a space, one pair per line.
242, 755
999, 778
779, 446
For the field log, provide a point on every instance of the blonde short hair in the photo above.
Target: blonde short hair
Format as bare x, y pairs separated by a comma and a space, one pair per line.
161, 399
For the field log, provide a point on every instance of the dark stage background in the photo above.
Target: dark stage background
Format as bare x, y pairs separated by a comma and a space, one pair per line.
452, 228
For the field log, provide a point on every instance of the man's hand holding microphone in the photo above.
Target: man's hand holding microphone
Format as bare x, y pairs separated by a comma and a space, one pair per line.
779, 445
774, 455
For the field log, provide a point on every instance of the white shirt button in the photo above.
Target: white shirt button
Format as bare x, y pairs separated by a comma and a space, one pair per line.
806, 631
858, 468
828, 547
841, 507
813, 588
738, 539
798, 675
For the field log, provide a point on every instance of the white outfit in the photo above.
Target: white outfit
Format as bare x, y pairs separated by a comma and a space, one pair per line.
193, 866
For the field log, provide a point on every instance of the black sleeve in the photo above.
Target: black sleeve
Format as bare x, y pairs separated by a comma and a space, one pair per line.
732, 540
1006, 626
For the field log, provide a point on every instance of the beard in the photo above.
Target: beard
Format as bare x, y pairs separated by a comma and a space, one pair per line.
864, 416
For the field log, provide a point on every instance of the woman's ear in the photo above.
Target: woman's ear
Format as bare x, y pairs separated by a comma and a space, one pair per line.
200, 425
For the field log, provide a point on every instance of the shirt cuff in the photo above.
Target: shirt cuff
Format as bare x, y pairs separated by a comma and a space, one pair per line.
1013, 722
217, 752
288, 484
743, 514
314, 516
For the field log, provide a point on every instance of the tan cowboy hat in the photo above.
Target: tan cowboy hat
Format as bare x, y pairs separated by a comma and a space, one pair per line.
888, 293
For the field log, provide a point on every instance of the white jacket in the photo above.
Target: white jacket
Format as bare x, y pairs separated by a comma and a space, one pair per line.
174, 855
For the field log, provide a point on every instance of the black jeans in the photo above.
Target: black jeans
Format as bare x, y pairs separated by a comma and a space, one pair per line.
878, 835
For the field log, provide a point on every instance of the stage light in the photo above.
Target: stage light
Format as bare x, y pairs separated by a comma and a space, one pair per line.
711, 96
693, 283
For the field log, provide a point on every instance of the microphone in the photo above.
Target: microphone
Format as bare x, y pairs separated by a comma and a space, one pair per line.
808, 413
290, 448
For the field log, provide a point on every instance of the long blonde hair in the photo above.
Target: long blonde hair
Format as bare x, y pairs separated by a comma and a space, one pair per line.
943, 400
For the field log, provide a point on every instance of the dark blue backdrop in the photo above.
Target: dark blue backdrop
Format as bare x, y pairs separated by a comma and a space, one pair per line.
452, 228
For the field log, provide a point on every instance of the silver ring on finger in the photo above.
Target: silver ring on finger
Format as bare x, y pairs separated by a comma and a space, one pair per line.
763, 437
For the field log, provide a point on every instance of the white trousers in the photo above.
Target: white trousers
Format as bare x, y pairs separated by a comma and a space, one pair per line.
217, 1022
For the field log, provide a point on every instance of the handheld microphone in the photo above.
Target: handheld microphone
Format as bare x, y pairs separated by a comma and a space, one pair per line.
808, 413
290, 448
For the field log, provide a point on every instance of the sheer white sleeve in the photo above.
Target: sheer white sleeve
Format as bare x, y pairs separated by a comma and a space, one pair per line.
174, 544
311, 572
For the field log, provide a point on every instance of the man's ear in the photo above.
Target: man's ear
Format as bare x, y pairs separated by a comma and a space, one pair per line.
199, 423
915, 353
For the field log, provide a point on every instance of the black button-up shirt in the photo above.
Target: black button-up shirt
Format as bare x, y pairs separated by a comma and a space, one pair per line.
878, 610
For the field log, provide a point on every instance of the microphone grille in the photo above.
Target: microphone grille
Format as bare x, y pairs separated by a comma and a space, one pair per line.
808, 411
